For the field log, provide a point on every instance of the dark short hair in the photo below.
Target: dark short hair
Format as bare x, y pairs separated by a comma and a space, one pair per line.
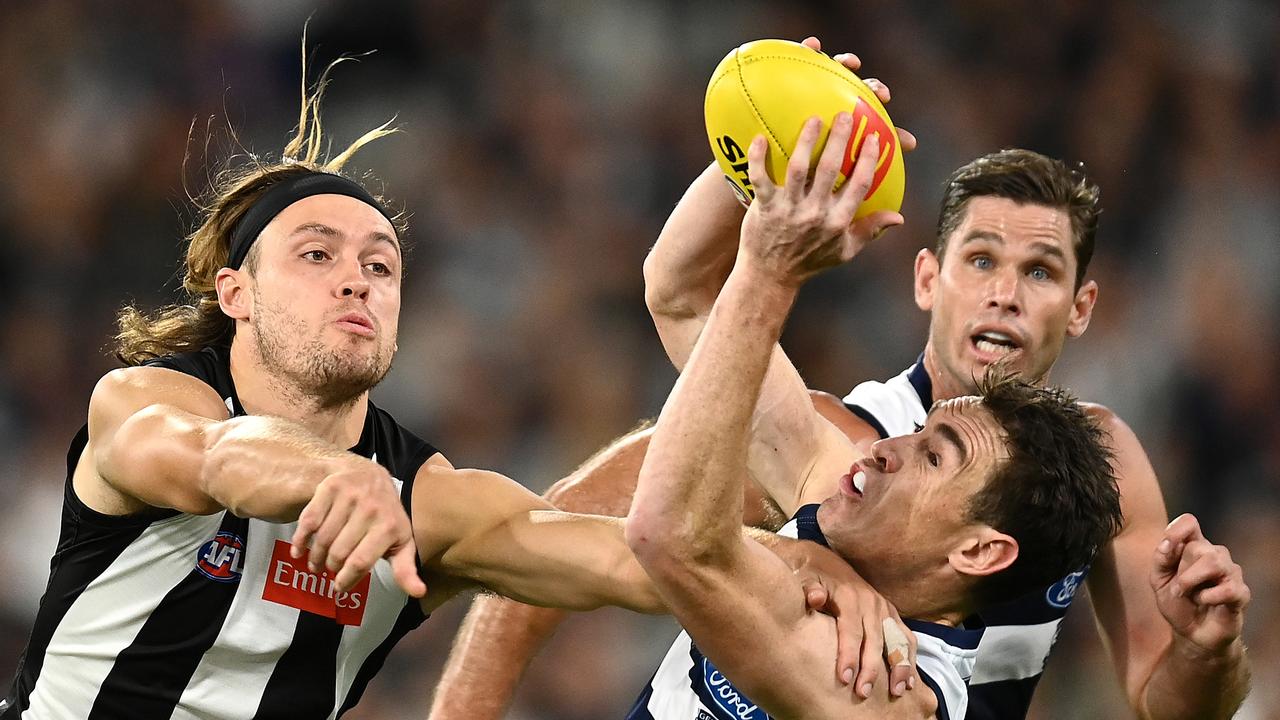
1055, 494
1025, 176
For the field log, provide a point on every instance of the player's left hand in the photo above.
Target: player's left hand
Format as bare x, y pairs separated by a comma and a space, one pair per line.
865, 646
1199, 589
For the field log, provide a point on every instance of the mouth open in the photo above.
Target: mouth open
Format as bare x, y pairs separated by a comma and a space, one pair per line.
854, 484
994, 344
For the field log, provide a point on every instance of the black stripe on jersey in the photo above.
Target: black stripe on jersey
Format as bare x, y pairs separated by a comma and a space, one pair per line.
868, 418
698, 681
920, 382
303, 680
807, 527
150, 675
943, 713
1001, 700
1030, 609
408, 619
87, 545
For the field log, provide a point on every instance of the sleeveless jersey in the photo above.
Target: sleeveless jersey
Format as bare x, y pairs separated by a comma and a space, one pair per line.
687, 686
174, 615
1018, 635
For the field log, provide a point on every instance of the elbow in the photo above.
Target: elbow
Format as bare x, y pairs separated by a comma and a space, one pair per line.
665, 548
659, 294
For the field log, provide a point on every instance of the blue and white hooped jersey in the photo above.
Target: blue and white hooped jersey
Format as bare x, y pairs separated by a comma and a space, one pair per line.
687, 686
1018, 635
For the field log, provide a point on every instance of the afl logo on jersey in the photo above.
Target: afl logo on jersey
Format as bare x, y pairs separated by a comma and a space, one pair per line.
1061, 593
727, 697
222, 558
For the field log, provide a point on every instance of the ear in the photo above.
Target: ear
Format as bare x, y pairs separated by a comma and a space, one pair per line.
926, 278
233, 293
1082, 309
984, 552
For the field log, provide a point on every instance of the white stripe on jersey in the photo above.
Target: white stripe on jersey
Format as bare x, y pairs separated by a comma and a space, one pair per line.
894, 403
233, 674
107, 616
1014, 652
950, 667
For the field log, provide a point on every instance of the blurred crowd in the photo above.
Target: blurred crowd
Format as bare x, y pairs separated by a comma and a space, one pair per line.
544, 143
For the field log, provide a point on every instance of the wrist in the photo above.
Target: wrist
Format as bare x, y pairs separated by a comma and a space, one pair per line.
765, 282
1197, 655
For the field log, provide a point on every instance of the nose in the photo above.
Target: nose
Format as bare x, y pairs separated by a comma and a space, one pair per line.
352, 282
885, 454
1004, 291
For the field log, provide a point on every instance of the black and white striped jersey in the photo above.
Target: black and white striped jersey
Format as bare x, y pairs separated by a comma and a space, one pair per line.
687, 686
173, 615
1018, 636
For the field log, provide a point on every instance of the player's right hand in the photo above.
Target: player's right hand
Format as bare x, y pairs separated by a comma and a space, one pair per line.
865, 644
793, 232
354, 518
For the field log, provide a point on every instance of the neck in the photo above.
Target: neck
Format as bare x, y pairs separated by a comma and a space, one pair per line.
264, 393
945, 387
928, 595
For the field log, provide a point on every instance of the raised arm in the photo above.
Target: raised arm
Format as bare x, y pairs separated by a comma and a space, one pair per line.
1171, 617
738, 601
161, 439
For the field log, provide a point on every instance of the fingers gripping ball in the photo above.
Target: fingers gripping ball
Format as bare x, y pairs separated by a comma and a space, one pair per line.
771, 87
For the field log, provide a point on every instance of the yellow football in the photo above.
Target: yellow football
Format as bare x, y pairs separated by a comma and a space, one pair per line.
770, 87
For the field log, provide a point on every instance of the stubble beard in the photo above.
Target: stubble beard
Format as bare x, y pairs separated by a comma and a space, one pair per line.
313, 370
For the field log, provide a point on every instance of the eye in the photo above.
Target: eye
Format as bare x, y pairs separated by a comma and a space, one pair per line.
982, 262
918, 427
379, 268
1039, 273
316, 255
934, 460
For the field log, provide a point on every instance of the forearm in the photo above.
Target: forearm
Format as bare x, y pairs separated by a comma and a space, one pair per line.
689, 498
500, 636
693, 255
494, 646
265, 467
1190, 684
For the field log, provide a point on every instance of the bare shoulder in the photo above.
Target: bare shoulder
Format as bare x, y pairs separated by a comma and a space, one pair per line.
1130, 457
838, 414
126, 390
1141, 498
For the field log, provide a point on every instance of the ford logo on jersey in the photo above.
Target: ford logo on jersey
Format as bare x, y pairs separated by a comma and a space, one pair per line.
727, 697
1062, 592
222, 558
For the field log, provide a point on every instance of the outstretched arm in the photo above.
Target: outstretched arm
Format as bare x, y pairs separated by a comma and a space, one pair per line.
499, 637
1171, 615
736, 600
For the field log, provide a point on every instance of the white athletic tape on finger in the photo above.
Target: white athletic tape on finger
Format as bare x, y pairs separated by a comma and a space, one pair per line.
896, 647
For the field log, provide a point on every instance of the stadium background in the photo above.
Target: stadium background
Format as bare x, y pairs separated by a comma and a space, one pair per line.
545, 143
